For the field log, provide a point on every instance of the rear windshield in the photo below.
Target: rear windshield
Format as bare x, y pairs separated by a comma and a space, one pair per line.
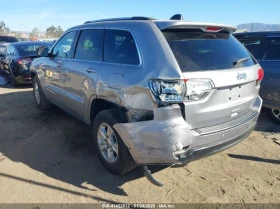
29, 49
8, 39
196, 50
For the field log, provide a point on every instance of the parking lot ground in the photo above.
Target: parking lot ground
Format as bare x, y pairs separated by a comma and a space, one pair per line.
48, 157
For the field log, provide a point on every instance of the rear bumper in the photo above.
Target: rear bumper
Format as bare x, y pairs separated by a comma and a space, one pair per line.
203, 151
24, 77
271, 104
168, 139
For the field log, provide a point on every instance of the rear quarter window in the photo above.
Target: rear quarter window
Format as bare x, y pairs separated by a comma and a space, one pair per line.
196, 50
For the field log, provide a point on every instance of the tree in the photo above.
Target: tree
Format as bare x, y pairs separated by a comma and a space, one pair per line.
4, 30
59, 31
35, 33
17, 34
52, 31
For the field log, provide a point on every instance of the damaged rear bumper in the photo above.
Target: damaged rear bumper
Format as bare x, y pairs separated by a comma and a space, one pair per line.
167, 139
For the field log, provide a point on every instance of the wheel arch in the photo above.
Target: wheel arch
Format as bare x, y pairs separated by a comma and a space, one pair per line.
97, 105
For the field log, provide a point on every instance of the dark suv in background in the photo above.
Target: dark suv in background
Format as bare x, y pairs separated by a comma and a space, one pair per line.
265, 47
4, 42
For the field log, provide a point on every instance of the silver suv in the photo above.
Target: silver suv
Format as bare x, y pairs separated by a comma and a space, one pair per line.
155, 92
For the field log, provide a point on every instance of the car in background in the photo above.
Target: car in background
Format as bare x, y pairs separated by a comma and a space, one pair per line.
4, 42
265, 47
24, 39
17, 59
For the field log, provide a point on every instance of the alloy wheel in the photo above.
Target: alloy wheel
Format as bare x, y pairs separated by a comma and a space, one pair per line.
276, 113
107, 143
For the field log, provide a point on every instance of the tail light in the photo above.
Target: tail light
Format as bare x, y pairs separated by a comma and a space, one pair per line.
198, 89
168, 91
177, 91
24, 61
260, 76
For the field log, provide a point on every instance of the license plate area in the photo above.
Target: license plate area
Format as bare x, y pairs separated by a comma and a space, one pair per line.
235, 93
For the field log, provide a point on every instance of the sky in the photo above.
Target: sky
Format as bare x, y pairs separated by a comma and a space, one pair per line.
24, 15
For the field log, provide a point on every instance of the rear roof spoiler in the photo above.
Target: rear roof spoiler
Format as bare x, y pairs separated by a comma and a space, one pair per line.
171, 24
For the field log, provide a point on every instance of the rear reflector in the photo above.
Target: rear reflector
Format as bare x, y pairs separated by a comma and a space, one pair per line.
260, 74
213, 29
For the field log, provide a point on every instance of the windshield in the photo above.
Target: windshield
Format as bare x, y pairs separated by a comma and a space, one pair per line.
29, 49
8, 39
196, 50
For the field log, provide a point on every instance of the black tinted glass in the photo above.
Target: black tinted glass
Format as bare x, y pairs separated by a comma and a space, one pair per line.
273, 50
200, 51
120, 48
90, 45
8, 39
29, 49
254, 45
63, 47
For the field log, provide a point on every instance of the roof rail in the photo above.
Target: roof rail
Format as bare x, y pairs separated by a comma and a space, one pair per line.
121, 18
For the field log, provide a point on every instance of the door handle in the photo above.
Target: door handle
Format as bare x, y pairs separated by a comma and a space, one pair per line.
90, 70
59, 65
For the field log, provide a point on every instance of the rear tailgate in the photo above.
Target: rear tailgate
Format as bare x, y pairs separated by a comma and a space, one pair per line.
229, 99
211, 56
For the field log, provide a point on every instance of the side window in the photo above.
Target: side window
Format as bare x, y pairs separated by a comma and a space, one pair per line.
120, 48
11, 51
8, 50
273, 50
64, 46
254, 46
90, 45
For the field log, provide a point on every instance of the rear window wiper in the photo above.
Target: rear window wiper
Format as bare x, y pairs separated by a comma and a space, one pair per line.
241, 60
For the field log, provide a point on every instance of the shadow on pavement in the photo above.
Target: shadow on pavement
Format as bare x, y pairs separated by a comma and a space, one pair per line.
2, 175
258, 159
55, 144
23, 86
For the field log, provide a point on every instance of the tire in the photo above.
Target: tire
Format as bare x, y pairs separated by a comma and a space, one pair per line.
41, 101
123, 161
274, 115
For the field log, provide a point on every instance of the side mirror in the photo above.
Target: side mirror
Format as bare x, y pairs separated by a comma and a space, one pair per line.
62, 54
42, 51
